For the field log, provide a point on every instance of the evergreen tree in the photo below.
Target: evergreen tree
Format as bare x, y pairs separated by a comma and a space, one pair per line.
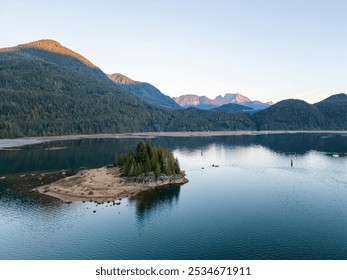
147, 165
177, 167
148, 158
139, 169
150, 148
154, 159
141, 152
157, 170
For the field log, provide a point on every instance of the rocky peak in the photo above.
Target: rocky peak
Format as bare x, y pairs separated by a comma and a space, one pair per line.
241, 98
120, 79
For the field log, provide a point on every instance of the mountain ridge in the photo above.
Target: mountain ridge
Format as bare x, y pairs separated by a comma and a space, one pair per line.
293, 114
232, 108
52, 46
145, 91
120, 79
45, 93
204, 102
334, 109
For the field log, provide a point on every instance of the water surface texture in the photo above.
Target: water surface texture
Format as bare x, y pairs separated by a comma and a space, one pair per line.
254, 205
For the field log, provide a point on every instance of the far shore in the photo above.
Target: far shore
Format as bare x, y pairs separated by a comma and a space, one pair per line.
104, 185
17, 142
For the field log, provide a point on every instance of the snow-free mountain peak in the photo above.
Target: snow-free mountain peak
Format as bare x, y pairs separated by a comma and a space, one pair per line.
121, 79
203, 102
145, 91
51, 46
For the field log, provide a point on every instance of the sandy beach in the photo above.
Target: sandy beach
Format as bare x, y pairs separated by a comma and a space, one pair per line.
100, 185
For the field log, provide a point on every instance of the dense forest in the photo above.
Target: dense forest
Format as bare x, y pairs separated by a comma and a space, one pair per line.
45, 93
150, 94
233, 108
145, 91
293, 114
40, 97
148, 159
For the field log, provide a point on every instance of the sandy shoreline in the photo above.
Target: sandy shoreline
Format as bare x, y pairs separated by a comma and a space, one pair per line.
8, 143
100, 185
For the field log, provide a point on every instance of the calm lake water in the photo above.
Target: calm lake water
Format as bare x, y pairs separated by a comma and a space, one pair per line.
253, 206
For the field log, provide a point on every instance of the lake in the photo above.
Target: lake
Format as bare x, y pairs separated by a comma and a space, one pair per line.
254, 205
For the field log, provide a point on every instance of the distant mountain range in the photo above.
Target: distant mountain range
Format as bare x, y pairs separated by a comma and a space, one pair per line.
203, 102
48, 89
145, 91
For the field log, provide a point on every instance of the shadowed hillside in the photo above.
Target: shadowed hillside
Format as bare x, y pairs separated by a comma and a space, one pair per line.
232, 108
290, 114
46, 92
47, 89
329, 114
145, 91
58, 92
334, 108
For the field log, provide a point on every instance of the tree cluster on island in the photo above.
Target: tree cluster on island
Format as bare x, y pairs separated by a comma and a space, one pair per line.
148, 159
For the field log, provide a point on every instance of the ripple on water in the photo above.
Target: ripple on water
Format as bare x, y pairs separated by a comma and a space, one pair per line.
254, 206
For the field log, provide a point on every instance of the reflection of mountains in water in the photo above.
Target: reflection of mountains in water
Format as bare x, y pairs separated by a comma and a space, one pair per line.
76, 153
100, 152
155, 200
300, 143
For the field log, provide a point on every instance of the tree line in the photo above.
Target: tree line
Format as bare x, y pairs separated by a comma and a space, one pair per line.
41, 97
148, 159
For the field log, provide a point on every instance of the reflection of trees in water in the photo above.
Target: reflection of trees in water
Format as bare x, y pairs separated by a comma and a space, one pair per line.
155, 200
76, 154
299, 143
100, 152
16, 189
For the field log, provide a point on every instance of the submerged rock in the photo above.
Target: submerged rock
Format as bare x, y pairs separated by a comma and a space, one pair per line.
153, 181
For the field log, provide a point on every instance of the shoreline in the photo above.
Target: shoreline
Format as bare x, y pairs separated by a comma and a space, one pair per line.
102, 185
19, 142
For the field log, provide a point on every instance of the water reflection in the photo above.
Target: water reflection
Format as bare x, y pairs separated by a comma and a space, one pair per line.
17, 189
63, 155
99, 152
299, 143
155, 200
253, 206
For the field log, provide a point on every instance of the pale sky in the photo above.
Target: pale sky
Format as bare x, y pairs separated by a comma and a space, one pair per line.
266, 50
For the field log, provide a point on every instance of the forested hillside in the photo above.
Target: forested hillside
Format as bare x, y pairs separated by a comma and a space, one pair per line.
232, 108
145, 91
334, 108
50, 94
291, 114
46, 91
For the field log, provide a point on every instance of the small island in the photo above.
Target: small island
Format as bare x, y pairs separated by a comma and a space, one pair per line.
145, 168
